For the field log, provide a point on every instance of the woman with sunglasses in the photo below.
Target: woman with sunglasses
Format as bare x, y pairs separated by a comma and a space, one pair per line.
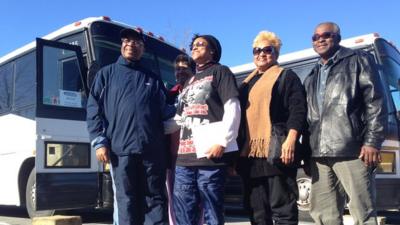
210, 96
273, 116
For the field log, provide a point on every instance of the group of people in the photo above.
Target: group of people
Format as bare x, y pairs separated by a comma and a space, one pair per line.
335, 122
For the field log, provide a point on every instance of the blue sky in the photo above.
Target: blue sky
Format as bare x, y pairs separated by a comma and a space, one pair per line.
234, 22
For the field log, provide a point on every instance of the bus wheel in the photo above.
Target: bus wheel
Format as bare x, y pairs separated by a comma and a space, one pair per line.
303, 202
30, 196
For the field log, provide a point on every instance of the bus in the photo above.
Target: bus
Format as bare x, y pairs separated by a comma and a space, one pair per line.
387, 57
46, 163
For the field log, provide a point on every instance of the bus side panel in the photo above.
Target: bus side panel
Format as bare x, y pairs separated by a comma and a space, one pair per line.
18, 142
65, 179
66, 190
387, 193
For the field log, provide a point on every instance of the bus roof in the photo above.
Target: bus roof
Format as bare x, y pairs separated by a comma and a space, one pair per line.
71, 28
358, 41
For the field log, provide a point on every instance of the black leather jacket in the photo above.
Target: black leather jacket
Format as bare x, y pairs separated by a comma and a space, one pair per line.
354, 107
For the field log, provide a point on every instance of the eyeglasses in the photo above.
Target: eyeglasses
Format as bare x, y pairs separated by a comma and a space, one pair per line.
181, 67
324, 35
134, 42
199, 44
269, 50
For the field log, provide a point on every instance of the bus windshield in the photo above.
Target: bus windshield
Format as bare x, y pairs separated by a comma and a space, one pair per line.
158, 56
390, 59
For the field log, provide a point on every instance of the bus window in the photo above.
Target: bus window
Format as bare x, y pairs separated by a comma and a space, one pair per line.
395, 96
167, 72
165, 58
67, 155
390, 59
302, 70
158, 56
62, 84
25, 80
6, 87
106, 52
76, 39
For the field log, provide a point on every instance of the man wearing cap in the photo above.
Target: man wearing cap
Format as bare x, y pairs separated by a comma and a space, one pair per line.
211, 95
125, 113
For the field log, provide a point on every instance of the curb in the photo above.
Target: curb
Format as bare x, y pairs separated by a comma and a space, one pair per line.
57, 220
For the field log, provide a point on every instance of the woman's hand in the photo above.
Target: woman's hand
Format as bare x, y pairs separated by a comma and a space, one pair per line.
216, 151
288, 147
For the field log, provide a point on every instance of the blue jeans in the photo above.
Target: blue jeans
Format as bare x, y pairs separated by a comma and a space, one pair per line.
198, 190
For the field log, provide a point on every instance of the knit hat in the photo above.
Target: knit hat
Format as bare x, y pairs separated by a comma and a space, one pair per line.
213, 43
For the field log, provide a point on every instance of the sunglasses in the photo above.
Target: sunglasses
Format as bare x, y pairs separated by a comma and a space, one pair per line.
266, 50
198, 44
324, 35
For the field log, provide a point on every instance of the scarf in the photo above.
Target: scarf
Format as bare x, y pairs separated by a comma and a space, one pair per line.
258, 106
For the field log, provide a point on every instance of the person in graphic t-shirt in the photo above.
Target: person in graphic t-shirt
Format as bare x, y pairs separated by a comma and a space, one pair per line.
211, 95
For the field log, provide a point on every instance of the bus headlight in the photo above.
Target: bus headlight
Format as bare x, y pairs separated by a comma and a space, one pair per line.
388, 164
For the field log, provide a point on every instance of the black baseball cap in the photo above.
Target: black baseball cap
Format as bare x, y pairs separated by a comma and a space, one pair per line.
128, 32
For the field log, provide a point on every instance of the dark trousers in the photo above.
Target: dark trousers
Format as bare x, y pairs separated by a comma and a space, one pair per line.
139, 190
271, 198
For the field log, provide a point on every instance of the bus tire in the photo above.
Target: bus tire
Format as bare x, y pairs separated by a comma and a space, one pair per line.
30, 196
303, 202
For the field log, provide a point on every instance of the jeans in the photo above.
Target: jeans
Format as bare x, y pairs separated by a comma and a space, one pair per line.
332, 179
198, 190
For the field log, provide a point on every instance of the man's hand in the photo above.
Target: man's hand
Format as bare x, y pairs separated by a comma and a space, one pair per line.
102, 154
370, 155
216, 151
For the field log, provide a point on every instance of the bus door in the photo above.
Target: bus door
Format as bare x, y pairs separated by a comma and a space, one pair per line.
66, 171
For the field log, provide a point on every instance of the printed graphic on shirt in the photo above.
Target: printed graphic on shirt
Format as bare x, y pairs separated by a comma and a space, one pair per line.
194, 111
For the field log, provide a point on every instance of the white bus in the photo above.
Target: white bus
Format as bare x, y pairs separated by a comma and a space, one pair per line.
387, 57
45, 158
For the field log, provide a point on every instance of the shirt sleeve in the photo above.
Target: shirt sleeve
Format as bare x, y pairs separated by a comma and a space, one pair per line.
296, 101
226, 84
230, 121
96, 123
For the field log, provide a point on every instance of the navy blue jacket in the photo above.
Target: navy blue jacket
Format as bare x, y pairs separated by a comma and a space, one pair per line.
125, 109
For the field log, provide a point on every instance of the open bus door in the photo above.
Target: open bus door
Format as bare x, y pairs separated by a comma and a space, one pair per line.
66, 171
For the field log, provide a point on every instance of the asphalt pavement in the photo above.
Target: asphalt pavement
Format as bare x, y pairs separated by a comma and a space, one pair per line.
17, 216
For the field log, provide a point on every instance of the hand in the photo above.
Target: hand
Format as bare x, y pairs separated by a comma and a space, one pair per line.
288, 148
216, 151
102, 154
370, 155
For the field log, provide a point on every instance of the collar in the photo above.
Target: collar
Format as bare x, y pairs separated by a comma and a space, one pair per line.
205, 66
342, 53
331, 60
121, 60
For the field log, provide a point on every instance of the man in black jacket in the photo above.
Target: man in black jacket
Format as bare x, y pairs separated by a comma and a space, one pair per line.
125, 113
347, 119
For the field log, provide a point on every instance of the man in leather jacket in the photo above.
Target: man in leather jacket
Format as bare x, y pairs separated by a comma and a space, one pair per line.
347, 117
